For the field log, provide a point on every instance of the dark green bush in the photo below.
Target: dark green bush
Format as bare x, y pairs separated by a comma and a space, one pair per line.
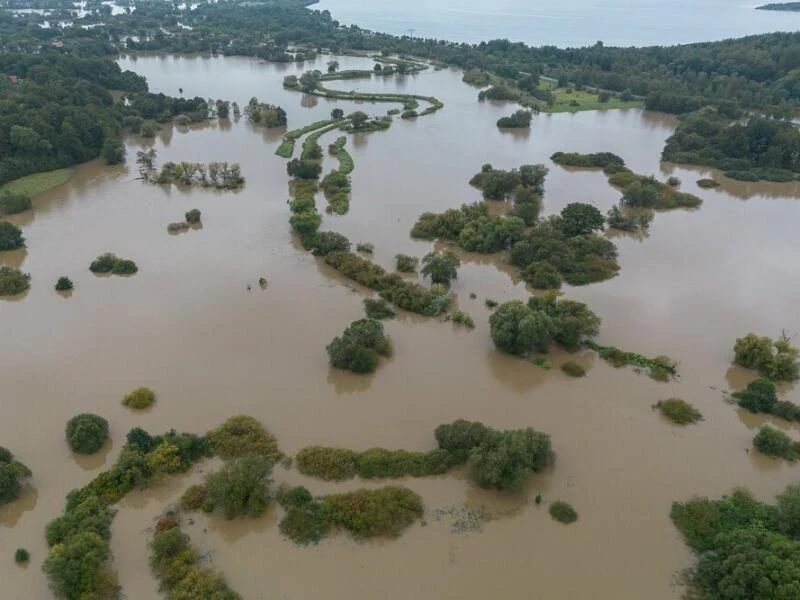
777, 359
64, 284
598, 160
11, 204
303, 204
294, 497
13, 281
385, 512
241, 487
377, 309
103, 263
193, 216
380, 463
12, 475
405, 263
358, 348
543, 276
331, 464
123, 266
563, 512
86, 433
441, 267
304, 169
678, 411
242, 435
505, 458
759, 396
305, 223
449, 224
773, 442
304, 525
573, 369
10, 236
323, 243
21, 556
578, 218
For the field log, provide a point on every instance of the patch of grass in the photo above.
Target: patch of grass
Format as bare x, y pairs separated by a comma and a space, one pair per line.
563, 512
573, 369
286, 148
21, 556
566, 99
38, 183
678, 411
139, 398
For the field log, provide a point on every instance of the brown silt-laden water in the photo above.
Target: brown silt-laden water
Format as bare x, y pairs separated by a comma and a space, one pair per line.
187, 326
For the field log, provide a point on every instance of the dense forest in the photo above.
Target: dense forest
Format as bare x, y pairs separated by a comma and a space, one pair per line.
72, 117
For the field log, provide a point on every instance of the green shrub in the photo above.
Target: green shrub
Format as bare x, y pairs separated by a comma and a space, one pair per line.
194, 497
563, 512
441, 267
405, 263
543, 276
12, 475
777, 359
304, 525
598, 160
377, 309
10, 236
331, 464
103, 263
294, 497
64, 284
678, 411
11, 204
304, 169
462, 318
573, 369
139, 398
21, 556
123, 266
673, 181
13, 281
380, 463
240, 488
305, 223
193, 216
759, 396
773, 442
86, 433
358, 348
242, 435
303, 204
505, 458
460, 437
385, 512
323, 243
707, 183
365, 247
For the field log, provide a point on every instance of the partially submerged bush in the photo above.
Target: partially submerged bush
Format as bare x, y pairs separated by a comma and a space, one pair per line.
241, 435
12, 475
10, 236
358, 348
773, 442
194, 497
660, 368
365, 247
441, 267
64, 284
405, 263
21, 556
460, 317
13, 281
124, 266
193, 216
777, 359
678, 411
139, 398
241, 487
110, 263
573, 369
294, 497
86, 433
385, 512
563, 512
330, 464
378, 309
760, 396
707, 183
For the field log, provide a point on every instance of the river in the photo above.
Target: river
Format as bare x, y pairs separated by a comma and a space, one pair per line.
564, 24
187, 326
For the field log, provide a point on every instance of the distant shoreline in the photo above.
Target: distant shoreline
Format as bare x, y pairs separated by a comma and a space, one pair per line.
784, 6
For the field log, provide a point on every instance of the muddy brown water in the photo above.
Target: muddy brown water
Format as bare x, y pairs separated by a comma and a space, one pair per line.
187, 326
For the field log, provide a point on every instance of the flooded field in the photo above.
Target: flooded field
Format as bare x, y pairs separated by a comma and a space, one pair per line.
187, 326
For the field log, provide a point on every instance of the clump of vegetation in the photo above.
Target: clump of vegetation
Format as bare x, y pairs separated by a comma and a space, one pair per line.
459, 317
194, 497
441, 267
11, 204
178, 569
323, 243
760, 396
477, 77
243, 435
219, 175
707, 183
522, 329
12, 475
385, 512
405, 263
497, 184
378, 309
13, 281
678, 411
365, 247
773, 442
330, 464
240, 487
193, 216
491, 304
573, 369
626, 218
743, 545
520, 119
336, 186
140, 398
79, 562
110, 263
21, 556
269, 115
660, 368
358, 348
776, 360
563, 512
597, 160
10, 236
86, 433
64, 284
640, 191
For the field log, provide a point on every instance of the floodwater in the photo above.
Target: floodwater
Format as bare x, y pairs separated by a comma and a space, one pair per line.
187, 326
569, 23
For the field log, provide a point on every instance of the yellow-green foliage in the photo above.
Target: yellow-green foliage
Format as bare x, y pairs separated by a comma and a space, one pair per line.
332, 464
140, 398
678, 411
241, 435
